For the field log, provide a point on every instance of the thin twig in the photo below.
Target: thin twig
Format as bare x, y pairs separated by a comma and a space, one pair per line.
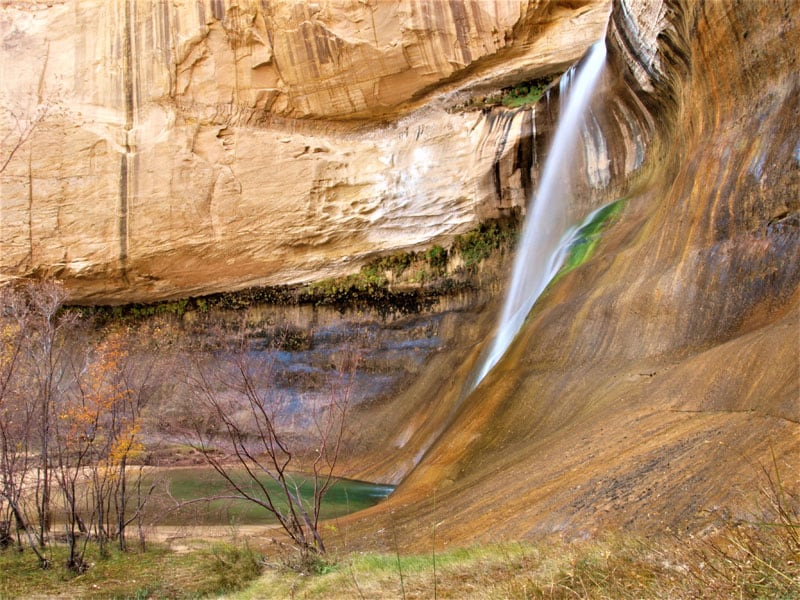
397, 555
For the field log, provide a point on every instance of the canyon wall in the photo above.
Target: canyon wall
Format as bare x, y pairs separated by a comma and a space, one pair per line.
161, 149
207, 146
656, 388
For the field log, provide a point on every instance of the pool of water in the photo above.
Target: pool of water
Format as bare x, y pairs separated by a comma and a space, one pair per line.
178, 485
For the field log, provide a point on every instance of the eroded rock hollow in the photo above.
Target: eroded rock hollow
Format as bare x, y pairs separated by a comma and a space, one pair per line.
208, 146
652, 388
157, 150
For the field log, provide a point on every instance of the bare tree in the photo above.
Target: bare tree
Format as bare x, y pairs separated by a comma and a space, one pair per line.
126, 371
16, 417
36, 335
47, 346
20, 127
98, 431
71, 411
244, 434
75, 432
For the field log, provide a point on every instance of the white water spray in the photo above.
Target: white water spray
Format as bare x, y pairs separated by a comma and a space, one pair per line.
546, 235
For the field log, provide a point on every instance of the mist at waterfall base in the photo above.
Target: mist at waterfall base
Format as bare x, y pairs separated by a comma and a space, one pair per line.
546, 235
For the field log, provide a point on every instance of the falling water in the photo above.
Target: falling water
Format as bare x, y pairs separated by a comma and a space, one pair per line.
546, 235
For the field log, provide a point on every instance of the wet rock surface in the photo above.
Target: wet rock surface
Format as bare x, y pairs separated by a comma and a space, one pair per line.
650, 386
655, 386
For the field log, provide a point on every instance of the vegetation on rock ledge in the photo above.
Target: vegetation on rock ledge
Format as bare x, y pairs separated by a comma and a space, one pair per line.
405, 281
524, 93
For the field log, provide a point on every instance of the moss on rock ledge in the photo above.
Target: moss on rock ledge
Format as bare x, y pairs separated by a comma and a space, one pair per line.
404, 282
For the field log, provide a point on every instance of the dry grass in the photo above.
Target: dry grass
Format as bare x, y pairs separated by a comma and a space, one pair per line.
758, 557
754, 558
735, 560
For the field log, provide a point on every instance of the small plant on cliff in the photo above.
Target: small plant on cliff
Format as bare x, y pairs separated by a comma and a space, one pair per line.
344, 290
524, 93
436, 257
479, 244
396, 263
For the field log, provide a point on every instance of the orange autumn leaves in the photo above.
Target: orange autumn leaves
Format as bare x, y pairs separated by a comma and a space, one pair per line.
101, 420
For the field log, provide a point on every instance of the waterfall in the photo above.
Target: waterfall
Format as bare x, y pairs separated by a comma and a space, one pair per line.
546, 234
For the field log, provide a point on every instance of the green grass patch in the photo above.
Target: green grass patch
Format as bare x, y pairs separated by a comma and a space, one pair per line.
156, 573
460, 573
620, 567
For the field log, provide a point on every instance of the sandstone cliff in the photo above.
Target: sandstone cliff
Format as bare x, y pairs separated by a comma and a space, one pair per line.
653, 386
649, 385
159, 149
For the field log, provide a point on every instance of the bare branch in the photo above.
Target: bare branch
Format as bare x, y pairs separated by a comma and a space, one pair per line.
242, 435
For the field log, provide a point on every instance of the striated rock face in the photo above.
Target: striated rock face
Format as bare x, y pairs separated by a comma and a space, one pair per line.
655, 384
210, 145
158, 149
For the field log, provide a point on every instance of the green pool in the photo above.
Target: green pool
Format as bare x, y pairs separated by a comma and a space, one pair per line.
191, 483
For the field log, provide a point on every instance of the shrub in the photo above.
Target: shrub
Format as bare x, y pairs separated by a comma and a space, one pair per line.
232, 566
